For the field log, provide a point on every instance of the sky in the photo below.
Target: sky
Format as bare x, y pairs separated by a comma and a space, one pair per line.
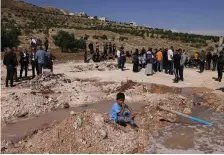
192, 16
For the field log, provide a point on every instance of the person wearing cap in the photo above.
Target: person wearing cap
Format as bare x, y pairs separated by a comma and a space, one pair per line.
121, 113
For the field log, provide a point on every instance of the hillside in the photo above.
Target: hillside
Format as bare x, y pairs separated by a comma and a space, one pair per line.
37, 21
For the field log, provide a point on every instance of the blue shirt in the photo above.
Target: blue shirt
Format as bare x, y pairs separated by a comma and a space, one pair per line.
116, 108
40, 56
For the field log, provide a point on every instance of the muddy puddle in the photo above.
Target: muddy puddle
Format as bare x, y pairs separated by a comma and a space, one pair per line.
185, 136
162, 89
19, 130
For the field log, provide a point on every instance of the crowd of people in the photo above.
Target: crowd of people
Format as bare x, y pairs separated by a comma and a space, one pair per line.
166, 60
36, 56
161, 60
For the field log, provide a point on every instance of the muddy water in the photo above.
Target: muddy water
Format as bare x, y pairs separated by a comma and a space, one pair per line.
19, 130
186, 136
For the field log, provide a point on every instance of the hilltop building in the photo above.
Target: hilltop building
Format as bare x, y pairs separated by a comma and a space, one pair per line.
102, 18
133, 23
91, 17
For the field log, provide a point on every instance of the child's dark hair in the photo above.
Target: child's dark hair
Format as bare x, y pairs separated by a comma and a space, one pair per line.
120, 96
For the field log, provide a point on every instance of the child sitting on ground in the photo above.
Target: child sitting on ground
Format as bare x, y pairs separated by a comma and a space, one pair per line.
121, 113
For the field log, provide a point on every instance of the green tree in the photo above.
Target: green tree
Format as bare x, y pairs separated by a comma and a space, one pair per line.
152, 35
104, 37
10, 37
66, 41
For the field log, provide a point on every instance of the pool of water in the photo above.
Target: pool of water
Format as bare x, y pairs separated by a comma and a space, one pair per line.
186, 136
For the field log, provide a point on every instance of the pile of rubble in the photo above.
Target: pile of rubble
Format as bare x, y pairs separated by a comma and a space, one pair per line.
95, 133
47, 80
102, 66
18, 105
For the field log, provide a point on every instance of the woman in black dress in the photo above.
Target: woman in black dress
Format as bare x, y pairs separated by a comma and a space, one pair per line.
135, 61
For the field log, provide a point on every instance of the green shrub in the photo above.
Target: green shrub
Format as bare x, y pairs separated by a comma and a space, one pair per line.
10, 37
66, 41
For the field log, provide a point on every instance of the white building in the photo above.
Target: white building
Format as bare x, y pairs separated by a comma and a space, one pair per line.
81, 14
91, 17
133, 23
71, 14
102, 18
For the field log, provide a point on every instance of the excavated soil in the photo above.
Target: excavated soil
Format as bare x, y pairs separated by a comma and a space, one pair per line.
51, 92
102, 66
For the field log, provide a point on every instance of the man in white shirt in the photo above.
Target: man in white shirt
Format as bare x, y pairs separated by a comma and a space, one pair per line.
170, 60
119, 58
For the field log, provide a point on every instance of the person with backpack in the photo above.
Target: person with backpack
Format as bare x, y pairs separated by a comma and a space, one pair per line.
135, 61
149, 59
220, 66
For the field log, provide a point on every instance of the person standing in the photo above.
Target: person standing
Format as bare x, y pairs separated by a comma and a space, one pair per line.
170, 60
97, 47
214, 61
196, 59
149, 58
159, 59
114, 49
10, 62
46, 44
209, 60
24, 62
40, 54
182, 64
176, 60
202, 58
122, 58
165, 60
119, 58
15, 50
33, 62
110, 50
220, 66
49, 58
91, 48
135, 61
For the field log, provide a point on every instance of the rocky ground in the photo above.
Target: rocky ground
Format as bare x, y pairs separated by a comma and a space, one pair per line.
68, 87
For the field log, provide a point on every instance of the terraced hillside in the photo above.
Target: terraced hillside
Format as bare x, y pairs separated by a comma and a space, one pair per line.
37, 20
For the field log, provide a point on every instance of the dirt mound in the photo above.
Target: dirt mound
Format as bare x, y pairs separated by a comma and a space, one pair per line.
129, 84
96, 133
46, 81
103, 66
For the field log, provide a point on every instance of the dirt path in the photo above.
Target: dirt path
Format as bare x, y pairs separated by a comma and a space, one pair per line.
191, 76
